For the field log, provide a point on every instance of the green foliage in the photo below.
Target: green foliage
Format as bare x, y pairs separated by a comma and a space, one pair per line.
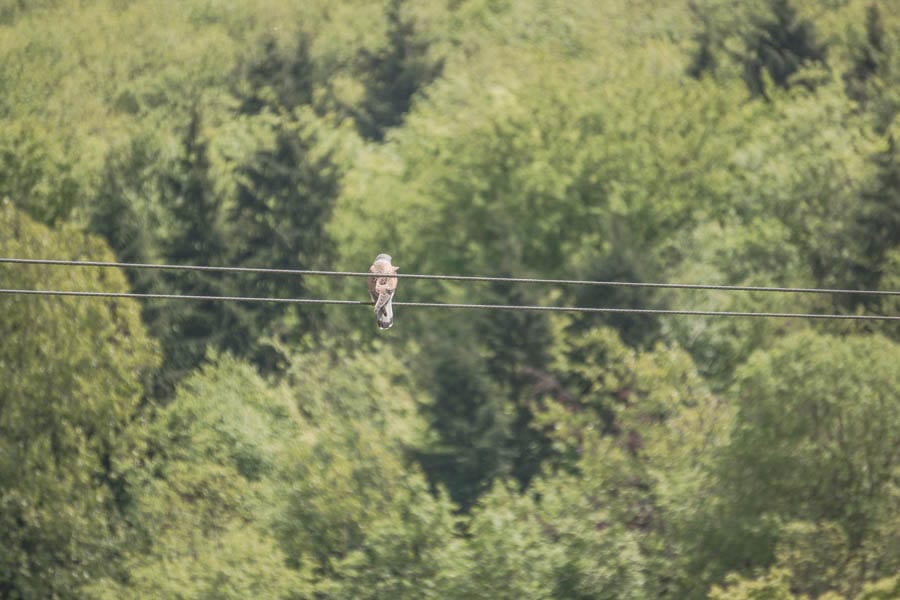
346, 468
470, 428
774, 586
639, 431
160, 205
270, 76
834, 431
876, 224
73, 375
814, 439
561, 546
884, 589
196, 237
200, 517
870, 64
815, 554
10, 10
785, 218
410, 551
392, 75
284, 197
35, 174
510, 554
812, 561
779, 45
772, 42
295, 451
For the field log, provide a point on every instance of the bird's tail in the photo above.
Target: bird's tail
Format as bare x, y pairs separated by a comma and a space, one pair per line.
385, 316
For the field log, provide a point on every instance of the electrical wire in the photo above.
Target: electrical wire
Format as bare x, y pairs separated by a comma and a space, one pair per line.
201, 298
529, 280
583, 309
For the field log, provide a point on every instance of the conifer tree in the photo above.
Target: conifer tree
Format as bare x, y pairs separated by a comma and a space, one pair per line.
394, 74
779, 43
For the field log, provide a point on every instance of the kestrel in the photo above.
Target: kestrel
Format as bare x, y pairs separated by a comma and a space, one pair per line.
381, 289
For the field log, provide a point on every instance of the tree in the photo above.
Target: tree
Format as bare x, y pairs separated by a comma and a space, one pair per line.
73, 372
200, 516
877, 224
779, 45
773, 586
776, 45
394, 74
815, 439
869, 57
884, 589
553, 542
346, 473
468, 447
511, 554
268, 211
271, 77
129, 214
198, 237
481, 377
285, 192
636, 434
411, 551
703, 58
35, 173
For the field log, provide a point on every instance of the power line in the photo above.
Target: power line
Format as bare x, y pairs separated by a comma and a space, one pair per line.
583, 309
195, 297
302, 272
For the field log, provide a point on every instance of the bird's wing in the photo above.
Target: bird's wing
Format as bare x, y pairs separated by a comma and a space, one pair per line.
385, 291
373, 282
391, 282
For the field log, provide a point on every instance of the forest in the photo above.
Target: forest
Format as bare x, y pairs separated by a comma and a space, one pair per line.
200, 449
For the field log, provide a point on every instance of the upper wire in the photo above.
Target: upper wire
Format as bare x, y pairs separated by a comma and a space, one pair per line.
301, 272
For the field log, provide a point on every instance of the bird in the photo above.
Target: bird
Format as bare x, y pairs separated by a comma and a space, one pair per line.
381, 289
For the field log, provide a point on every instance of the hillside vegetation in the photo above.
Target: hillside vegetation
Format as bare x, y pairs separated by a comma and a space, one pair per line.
204, 449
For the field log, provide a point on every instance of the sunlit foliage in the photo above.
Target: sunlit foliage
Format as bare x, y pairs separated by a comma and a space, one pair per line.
235, 450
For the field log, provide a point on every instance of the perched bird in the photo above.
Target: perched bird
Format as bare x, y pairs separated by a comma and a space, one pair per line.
381, 289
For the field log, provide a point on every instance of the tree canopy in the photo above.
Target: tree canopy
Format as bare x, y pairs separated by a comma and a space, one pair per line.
231, 450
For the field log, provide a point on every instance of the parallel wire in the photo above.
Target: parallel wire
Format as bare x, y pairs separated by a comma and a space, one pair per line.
301, 272
584, 309
202, 298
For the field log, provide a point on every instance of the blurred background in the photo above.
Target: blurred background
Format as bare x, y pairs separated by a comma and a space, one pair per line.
189, 449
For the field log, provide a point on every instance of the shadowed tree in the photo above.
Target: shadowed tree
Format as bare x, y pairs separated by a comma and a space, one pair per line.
196, 237
393, 75
779, 43
877, 225
470, 428
272, 77
703, 59
284, 198
868, 57
776, 44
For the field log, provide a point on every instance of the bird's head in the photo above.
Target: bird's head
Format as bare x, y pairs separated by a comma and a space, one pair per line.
382, 256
